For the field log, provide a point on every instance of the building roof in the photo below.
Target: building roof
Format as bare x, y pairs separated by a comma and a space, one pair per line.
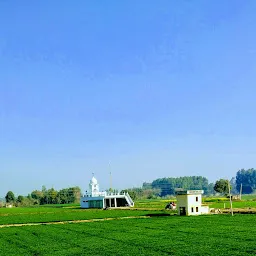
188, 192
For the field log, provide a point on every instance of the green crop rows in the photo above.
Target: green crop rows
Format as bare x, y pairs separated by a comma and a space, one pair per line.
202, 235
40, 214
171, 235
236, 204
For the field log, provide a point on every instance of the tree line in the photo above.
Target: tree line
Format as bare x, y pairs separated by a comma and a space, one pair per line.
45, 196
166, 186
158, 188
248, 180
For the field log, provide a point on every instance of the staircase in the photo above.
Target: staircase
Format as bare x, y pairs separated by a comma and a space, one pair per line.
129, 200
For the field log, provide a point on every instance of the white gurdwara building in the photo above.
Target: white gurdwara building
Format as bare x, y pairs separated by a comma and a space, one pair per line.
96, 199
189, 202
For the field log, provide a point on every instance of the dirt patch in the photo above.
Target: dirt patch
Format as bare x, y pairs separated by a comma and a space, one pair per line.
70, 221
240, 210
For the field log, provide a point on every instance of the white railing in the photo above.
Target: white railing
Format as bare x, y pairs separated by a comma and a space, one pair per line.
104, 194
130, 201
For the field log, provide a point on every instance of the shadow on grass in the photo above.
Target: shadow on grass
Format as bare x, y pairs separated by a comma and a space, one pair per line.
158, 214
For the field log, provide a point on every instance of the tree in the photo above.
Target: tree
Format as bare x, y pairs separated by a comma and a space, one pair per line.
221, 186
210, 189
68, 195
150, 193
233, 185
9, 198
36, 194
20, 199
132, 193
146, 185
168, 185
248, 180
51, 195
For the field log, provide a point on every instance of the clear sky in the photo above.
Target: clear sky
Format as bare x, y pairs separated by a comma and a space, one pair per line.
156, 88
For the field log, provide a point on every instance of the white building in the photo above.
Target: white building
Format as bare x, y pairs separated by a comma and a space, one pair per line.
189, 202
93, 198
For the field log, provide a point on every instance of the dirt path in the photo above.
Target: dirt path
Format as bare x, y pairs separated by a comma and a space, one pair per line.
70, 221
247, 210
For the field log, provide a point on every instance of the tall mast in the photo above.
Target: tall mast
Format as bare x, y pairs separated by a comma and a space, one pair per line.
110, 177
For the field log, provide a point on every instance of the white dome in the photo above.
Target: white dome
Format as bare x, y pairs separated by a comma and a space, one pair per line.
93, 180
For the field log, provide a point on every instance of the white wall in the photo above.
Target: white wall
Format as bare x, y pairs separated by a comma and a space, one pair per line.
194, 206
84, 201
192, 203
205, 209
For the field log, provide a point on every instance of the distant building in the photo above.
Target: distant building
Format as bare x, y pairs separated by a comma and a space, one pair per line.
96, 199
189, 202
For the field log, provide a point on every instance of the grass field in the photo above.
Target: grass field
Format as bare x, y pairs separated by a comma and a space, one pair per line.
170, 235
153, 203
202, 235
50, 214
249, 197
236, 204
213, 202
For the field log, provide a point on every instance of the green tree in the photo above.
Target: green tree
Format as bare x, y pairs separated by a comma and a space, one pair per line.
69, 195
248, 180
20, 199
132, 193
36, 194
9, 198
210, 189
221, 186
233, 185
146, 185
51, 196
168, 185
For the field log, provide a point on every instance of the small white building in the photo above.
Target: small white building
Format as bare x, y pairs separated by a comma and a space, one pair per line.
93, 198
189, 202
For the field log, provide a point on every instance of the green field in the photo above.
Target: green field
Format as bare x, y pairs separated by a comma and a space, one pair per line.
153, 203
202, 235
248, 201
249, 197
157, 235
236, 204
50, 214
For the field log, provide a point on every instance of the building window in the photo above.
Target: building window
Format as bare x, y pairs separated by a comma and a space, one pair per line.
96, 204
197, 199
192, 209
196, 209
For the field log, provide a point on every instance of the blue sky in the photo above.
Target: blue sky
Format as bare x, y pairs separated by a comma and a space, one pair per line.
156, 88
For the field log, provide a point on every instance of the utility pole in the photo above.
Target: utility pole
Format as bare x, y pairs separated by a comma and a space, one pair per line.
241, 191
231, 206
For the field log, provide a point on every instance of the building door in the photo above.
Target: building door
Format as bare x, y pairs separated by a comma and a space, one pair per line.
182, 210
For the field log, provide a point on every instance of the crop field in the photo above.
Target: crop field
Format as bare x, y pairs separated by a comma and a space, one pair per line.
153, 203
249, 197
173, 235
248, 201
51, 214
236, 204
138, 231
